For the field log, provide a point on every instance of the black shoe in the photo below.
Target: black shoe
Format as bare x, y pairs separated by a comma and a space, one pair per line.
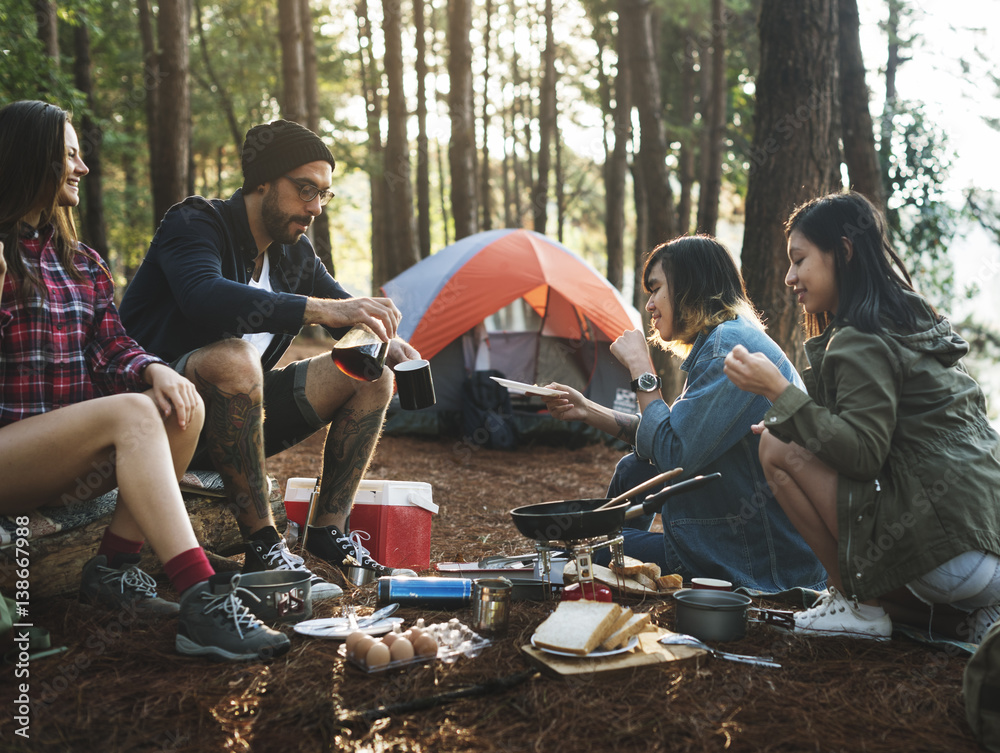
270, 552
122, 585
213, 622
328, 543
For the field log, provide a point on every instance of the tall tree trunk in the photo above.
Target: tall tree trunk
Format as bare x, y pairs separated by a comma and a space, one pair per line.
150, 80
641, 246
708, 202
441, 190
795, 154
653, 141
486, 204
892, 63
293, 99
614, 189
213, 86
399, 189
94, 229
508, 166
560, 185
462, 148
423, 156
685, 161
319, 233
856, 119
370, 78
48, 29
174, 107
546, 125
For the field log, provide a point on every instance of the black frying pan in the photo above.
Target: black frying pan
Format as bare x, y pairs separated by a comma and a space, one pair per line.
580, 519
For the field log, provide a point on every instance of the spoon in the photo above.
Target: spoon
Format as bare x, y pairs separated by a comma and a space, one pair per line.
378, 615
680, 639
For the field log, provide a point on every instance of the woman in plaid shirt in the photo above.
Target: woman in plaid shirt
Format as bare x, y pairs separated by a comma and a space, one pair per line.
83, 409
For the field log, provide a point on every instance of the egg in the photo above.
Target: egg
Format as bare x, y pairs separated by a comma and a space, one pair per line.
413, 634
390, 638
378, 655
401, 650
361, 647
425, 645
352, 639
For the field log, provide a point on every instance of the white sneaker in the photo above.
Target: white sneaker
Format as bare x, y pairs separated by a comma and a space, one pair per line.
836, 615
982, 620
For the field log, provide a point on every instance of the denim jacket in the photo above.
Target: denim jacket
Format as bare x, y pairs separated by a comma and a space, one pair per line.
732, 528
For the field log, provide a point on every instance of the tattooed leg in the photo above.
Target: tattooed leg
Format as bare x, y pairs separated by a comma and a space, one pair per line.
350, 445
234, 437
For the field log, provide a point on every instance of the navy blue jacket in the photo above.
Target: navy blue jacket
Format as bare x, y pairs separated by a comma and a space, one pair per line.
192, 288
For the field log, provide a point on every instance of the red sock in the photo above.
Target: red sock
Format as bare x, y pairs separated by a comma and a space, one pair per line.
112, 544
188, 569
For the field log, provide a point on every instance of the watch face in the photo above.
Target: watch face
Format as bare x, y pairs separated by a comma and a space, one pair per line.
648, 382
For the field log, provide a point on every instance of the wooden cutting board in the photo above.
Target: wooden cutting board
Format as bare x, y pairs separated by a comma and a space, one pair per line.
647, 653
617, 583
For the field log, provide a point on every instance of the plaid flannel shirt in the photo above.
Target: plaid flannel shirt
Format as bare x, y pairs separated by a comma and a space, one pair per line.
69, 346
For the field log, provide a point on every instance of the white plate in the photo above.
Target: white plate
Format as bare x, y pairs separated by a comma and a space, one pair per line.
632, 643
528, 389
339, 628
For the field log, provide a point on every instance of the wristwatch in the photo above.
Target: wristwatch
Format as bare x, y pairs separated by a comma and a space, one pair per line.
647, 382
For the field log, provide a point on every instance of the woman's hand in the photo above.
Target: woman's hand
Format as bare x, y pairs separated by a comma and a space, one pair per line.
632, 351
172, 392
754, 372
572, 406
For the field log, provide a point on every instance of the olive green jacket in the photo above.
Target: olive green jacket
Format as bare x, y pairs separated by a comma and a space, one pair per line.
905, 427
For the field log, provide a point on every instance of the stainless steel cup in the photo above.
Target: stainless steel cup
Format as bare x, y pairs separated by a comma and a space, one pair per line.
491, 605
360, 576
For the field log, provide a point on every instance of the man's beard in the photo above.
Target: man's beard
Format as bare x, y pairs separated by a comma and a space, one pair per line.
277, 222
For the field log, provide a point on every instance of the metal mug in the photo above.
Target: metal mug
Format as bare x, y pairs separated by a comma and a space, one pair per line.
491, 605
361, 576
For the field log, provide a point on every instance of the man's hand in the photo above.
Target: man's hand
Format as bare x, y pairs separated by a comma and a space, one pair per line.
172, 392
399, 351
632, 351
380, 314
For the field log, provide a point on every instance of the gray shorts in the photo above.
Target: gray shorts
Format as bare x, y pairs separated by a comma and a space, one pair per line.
289, 417
968, 581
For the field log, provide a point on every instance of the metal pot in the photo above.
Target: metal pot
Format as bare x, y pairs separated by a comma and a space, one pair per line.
280, 595
581, 519
711, 615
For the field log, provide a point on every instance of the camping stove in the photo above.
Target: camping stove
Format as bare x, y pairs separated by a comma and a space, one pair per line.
582, 552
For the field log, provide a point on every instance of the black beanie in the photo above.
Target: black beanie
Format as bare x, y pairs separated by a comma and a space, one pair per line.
272, 149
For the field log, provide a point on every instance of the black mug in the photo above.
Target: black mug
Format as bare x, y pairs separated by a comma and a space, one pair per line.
415, 384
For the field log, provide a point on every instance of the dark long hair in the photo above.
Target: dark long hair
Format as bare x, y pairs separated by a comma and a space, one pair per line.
705, 285
33, 170
872, 284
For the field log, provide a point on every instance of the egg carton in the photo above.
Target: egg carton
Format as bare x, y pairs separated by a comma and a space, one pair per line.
454, 638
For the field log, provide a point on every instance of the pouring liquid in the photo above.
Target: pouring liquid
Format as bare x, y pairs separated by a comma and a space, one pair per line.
361, 362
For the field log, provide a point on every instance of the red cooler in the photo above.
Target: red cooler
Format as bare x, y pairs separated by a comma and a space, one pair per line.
396, 515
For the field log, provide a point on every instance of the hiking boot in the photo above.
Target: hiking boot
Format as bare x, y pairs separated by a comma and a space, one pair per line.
328, 543
981, 620
271, 553
122, 584
213, 622
836, 615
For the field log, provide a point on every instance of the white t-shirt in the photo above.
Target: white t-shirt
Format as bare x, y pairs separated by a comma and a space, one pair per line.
261, 340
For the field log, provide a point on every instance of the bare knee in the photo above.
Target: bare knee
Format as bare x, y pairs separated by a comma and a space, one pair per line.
770, 450
133, 416
231, 365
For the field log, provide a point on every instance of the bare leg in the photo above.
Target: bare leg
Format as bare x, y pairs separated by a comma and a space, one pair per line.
355, 411
806, 489
229, 378
118, 440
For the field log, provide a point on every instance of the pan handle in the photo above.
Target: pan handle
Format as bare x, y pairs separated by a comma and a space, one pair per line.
654, 502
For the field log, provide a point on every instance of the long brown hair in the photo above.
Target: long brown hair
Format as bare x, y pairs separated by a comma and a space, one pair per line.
33, 166
705, 285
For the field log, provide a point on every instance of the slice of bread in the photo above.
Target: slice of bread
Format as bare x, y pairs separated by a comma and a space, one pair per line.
645, 581
577, 627
651, 570
630, 566
667, 582
624, 616
635, 624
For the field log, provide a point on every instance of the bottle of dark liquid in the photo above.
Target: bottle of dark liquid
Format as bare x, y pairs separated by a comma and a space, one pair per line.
360, 354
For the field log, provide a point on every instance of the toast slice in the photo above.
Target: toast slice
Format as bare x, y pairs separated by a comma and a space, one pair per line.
635, 624
577, 627
630, 566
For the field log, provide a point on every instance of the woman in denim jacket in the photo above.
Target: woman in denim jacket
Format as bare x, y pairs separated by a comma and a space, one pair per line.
888, 466
733, 528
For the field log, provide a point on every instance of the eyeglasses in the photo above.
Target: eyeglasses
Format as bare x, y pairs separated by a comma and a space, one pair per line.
308, 192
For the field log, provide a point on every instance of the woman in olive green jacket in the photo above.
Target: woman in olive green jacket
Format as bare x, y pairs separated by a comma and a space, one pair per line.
888, 467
